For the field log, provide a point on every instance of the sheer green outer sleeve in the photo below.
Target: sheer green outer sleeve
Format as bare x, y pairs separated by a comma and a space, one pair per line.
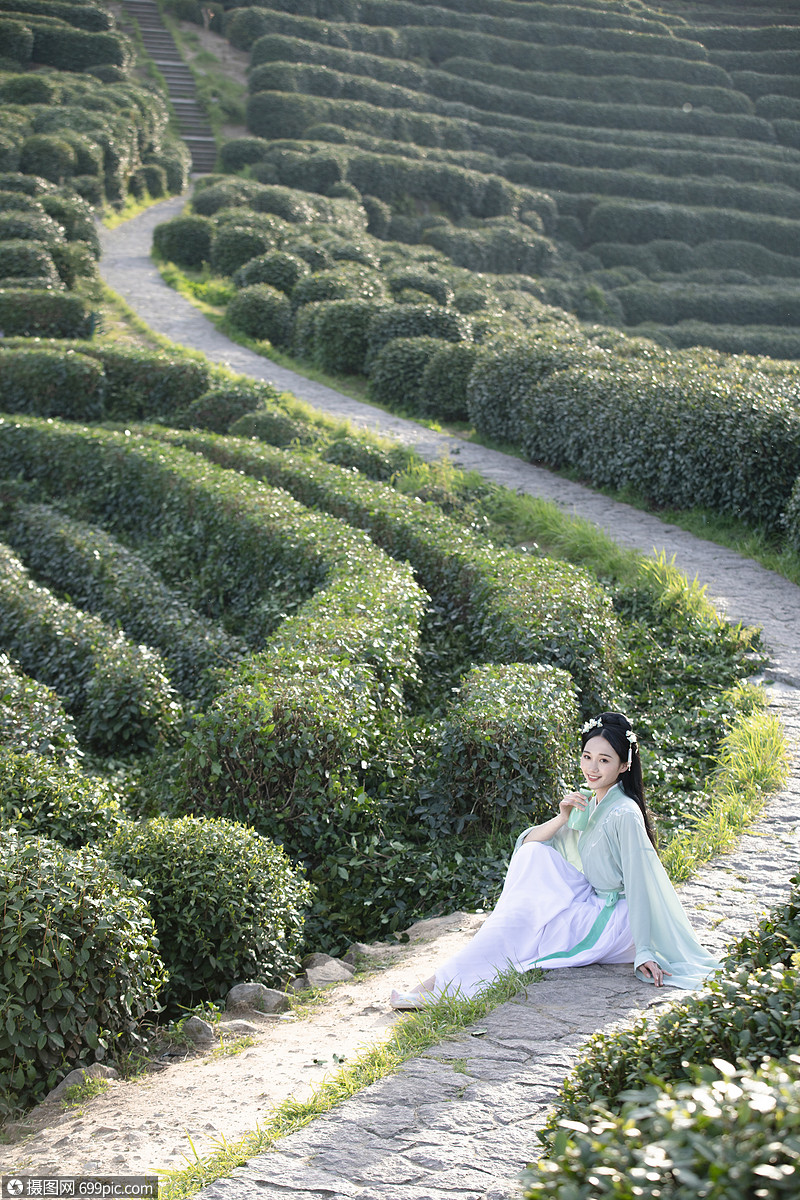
659, 926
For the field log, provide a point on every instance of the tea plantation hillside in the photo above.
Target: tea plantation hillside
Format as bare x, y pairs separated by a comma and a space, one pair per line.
667, 137
524, 218
266, 685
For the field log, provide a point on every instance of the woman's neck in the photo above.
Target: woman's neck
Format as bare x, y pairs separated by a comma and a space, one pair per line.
603, 792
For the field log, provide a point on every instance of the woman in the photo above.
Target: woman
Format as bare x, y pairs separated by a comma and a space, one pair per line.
595, 893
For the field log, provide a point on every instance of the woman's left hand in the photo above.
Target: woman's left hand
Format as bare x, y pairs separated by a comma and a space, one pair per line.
653, 971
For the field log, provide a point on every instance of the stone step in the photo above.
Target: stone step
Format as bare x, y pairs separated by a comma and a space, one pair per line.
192, 120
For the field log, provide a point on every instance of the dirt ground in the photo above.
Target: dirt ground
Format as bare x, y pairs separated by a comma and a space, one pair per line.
159, 1120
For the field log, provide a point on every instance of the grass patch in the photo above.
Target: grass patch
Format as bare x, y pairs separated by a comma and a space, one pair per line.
131, 207
77, 1095
413, 1033
230, 1047
753, 762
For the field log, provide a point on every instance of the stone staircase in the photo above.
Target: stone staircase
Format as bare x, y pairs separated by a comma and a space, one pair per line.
192, 120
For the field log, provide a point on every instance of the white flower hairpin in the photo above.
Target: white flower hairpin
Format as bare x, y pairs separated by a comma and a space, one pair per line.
631, 736
597, 723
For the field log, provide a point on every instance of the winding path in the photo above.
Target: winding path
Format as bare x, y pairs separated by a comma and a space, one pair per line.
460, 1121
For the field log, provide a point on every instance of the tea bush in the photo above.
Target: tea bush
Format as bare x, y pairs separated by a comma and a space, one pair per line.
220, 407
32, 717
23, 257
414, 321
774, 941
500, 754
51, 383
234, 245
47, 155
262, 312
227, 904
117, 692
443, 388
741, 1017
347, 281
279, 269
728, 1133
340, 333
185, 240
44, 313
421, 281
17, 40
81, 964
105, 578
40, 796
397, 370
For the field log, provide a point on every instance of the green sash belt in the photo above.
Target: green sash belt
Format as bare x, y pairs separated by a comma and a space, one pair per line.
593, 936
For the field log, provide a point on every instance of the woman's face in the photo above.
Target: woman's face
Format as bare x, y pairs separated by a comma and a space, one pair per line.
601, 765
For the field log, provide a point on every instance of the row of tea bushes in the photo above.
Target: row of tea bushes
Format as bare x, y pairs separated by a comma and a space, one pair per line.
690, 430
32, 717
84, 381
103, 577
117, 692
488, 591
104, 139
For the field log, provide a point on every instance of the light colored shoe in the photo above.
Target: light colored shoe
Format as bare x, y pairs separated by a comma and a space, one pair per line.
407, 1001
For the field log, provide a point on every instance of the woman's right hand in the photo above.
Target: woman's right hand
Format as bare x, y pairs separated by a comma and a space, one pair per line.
570, 801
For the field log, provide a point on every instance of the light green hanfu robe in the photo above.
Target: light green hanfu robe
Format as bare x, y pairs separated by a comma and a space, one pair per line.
616, 856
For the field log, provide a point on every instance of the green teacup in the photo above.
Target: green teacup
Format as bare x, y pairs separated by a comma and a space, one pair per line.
579, 817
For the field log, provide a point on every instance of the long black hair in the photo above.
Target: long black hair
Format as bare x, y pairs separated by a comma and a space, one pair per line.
618, 732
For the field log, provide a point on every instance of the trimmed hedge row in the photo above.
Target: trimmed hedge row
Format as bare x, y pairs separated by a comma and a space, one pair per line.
663, 255
670, 303
376, 12
599, 89
52, 383
117, 692
133, 383
637, 222
105, 578
635, 185
688, 433
32, 717
685, 61
40, 313
330, 675
491, 592
759, 340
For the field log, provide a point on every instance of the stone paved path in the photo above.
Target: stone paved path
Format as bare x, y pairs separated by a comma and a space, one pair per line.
459, 1122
